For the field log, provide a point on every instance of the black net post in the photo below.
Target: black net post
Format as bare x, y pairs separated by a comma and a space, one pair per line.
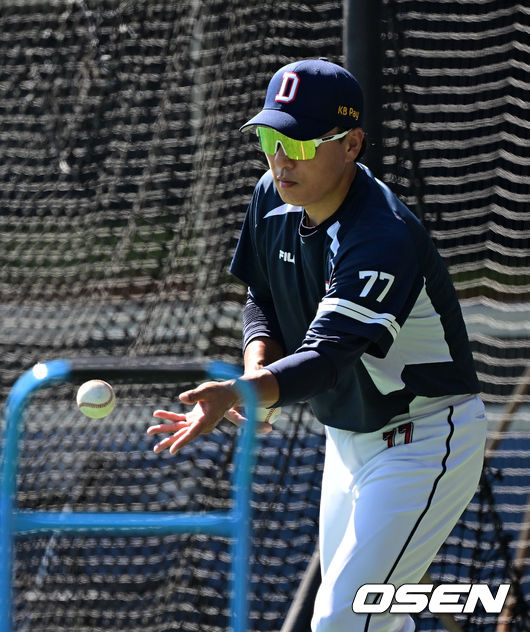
363, 57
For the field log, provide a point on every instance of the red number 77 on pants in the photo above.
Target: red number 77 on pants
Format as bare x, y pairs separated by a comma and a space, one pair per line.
405, 429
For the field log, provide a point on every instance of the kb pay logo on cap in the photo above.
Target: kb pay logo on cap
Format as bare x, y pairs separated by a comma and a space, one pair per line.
344, 110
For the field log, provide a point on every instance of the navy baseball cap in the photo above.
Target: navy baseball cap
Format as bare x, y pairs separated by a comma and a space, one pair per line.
308, 98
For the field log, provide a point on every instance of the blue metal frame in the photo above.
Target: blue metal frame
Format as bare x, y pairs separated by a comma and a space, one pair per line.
235, 523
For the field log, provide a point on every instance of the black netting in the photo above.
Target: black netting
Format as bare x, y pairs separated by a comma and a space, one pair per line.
456, 132
124, 184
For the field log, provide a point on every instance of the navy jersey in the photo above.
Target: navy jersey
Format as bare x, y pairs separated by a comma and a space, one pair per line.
370, 273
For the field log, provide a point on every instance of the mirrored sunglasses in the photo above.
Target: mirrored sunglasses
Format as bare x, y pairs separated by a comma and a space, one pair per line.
294, 149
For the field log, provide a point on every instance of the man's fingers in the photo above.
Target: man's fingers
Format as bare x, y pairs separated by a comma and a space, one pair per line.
178, 427
191, 397
212, 400
183, 437
169, 416
186, 397
234, 416
162, 445
183, 432
174, 442
160, 428
177, 420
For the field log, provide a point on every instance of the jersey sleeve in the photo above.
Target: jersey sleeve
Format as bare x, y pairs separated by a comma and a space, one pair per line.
374, 284
260, 320
309, 372
248, 264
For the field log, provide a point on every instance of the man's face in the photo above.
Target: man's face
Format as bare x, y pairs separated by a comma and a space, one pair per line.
319, 185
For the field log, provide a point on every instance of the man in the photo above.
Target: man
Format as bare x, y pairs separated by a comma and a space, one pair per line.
351, 308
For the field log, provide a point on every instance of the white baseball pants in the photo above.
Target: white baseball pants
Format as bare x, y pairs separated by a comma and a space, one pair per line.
389, 500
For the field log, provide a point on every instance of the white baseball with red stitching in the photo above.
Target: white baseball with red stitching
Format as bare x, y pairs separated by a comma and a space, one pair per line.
96, 399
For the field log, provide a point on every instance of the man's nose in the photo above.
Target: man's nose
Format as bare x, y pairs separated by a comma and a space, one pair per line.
280, 157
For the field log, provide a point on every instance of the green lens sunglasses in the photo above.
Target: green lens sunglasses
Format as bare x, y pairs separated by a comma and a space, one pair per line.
294, 149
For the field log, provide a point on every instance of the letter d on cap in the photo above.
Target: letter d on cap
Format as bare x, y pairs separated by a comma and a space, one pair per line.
289, 87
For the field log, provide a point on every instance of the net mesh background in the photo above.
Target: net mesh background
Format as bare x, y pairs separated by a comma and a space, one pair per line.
124, 184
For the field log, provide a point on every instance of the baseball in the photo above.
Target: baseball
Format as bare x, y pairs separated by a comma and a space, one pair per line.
269, 415
96, 399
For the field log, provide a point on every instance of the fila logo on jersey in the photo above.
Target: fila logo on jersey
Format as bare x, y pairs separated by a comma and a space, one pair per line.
286, 256
289, 87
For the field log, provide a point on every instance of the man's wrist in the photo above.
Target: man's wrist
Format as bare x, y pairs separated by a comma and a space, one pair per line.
236, 390
265, 385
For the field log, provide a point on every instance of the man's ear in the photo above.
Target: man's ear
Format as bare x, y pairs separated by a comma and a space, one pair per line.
354, 143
